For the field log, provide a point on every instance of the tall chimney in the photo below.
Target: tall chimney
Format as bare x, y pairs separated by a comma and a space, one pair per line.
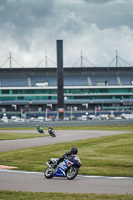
60, 79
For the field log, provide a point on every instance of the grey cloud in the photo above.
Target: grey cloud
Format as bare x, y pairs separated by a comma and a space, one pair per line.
32, 26
24, 13
20, 18
98, 1
107, 14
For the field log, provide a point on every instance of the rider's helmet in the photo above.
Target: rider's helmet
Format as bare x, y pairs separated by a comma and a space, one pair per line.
49, 127
74, 150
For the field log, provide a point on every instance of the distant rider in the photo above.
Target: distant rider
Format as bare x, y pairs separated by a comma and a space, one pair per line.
50, 130
40, 130
68, 154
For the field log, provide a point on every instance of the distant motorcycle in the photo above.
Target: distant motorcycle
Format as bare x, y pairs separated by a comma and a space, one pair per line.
39, 129
67, 168
51, 131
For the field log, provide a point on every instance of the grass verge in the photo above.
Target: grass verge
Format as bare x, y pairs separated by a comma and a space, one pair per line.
128, 127
8, 195
14, 136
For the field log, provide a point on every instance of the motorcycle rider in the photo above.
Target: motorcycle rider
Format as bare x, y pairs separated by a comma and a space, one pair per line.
51, 131
40, 130
69, 154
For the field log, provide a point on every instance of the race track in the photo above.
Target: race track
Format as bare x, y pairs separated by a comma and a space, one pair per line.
36, 182
33, 181
61, 136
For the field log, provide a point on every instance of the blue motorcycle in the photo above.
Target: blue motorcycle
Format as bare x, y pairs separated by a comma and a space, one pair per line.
67, 168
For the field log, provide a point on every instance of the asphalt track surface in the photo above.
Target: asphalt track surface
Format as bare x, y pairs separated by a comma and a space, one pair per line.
61, 136
36, 182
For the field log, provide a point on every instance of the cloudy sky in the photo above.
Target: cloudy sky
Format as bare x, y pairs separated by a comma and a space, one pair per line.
95, 29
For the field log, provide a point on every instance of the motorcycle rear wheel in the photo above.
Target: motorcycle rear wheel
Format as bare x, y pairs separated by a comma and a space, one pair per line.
71, 173
48, 173
53, 135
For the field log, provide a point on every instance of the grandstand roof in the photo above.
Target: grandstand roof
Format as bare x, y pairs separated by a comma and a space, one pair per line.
53, 69
73, 76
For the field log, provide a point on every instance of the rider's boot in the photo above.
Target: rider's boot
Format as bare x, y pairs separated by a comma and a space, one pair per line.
54, 166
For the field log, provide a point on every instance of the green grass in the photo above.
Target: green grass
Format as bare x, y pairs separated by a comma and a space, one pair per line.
16, 135
128, 127
107, 155
13, 136
8, 195
104, 127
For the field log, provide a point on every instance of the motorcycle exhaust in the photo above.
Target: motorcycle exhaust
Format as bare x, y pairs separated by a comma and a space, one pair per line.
48, 164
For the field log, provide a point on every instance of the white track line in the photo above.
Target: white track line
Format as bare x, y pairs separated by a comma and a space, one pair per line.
83, 176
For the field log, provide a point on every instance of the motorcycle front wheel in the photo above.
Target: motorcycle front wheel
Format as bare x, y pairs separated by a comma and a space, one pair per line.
71, 173
48, 173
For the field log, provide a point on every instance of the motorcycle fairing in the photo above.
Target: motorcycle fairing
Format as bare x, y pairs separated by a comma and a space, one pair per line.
61, 169
54, 160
